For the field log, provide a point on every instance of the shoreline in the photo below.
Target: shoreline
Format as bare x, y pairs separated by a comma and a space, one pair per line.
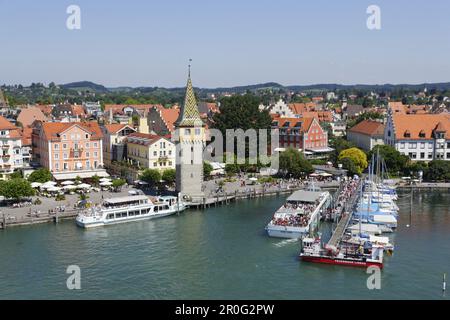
211, 201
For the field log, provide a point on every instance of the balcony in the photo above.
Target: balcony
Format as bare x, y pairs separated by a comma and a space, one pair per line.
5, 146
163, 158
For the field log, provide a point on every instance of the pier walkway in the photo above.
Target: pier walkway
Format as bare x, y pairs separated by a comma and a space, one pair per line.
346, 215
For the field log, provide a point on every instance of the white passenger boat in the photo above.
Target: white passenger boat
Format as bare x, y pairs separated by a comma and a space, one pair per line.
126, 209
299, 214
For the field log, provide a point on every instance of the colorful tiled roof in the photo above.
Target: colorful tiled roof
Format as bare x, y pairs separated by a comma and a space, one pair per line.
189, 114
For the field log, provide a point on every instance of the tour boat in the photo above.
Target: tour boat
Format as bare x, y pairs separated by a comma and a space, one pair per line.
312, 251
299, 214
126, 209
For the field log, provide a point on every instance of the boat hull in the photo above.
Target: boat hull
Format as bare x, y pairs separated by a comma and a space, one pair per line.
341, 261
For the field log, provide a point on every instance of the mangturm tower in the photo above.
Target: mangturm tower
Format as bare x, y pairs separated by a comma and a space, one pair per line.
190, 142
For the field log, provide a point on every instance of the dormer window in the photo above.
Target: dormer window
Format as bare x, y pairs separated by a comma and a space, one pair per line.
422, 134
407, 134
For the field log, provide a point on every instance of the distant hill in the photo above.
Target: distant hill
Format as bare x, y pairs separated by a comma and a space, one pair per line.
84, 86
90, 86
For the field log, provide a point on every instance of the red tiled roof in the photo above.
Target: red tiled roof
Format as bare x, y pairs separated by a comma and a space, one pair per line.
293, 122
28, 115
6, 125
299, 108
116, 127
369, 128
145, 138
52, 129
417, 123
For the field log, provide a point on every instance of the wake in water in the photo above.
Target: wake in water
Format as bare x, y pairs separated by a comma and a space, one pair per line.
285, 242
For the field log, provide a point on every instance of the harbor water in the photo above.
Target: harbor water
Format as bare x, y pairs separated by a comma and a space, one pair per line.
219, 253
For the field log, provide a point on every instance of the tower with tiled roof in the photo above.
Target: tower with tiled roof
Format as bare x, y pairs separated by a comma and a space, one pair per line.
190, 142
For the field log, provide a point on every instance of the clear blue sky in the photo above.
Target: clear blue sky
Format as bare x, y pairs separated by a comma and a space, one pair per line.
232, 42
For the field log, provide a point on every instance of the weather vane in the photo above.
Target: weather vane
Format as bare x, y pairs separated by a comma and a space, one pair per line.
190, 60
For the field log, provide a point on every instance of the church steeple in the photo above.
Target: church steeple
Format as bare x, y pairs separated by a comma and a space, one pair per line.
189, 114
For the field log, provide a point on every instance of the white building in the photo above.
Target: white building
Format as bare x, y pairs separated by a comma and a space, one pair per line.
10, 148
422, 137
367, 134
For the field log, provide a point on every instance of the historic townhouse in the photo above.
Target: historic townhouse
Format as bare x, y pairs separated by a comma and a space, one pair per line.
114, 142
304, 134
422, 137
69, 150
151, 151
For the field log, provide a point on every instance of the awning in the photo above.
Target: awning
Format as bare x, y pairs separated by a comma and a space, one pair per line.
321, 150
82, 174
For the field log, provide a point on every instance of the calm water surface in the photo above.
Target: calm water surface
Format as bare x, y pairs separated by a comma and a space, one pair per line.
220, 253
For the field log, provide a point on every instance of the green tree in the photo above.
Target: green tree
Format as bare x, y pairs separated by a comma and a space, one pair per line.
16, 175
41, 175
438, 170
207, 169
16, 189
338, 144
117, 184
358, 157
169, 176
151, 176
351, 167
241, 112
95, 181
293, 163
395, 161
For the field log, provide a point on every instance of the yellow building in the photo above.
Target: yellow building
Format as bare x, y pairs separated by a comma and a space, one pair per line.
151, 151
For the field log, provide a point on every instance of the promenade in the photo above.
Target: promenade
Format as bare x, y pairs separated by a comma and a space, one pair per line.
51, 210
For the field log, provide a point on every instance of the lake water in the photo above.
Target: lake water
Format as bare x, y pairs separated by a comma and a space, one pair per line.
219, 253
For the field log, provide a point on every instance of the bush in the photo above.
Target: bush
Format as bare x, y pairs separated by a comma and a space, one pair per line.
60, 197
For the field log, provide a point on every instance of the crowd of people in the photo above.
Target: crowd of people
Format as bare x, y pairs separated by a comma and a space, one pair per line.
347, 189
298, 218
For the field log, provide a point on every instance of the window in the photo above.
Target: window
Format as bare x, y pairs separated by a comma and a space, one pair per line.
155, 164
66, 166
430, 145
197, 131
422, 155
87, 144
187, 131
64, 146
56, 146
95, 144
57, 166
65, 156
448, 155
87, 136
430, 156
56, 156
95, 154
88, 154
64, 136
155, 153
402, 145
88, 164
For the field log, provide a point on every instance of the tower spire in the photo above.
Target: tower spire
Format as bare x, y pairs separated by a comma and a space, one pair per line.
189, 114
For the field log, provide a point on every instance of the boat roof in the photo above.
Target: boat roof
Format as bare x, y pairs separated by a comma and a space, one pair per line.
305, 196
126, 199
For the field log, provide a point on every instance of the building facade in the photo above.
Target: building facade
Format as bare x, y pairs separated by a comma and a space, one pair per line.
114, 142
150, 151
11, 148
69, 150
367, 134
304, 134
421, 137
